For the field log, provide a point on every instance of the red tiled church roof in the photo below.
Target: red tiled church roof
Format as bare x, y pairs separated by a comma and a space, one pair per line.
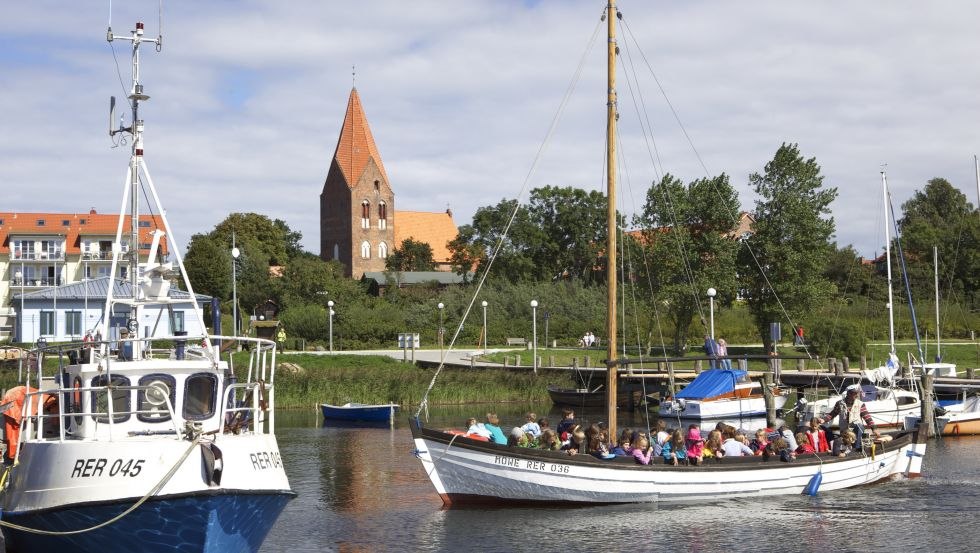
435, 229
356, 144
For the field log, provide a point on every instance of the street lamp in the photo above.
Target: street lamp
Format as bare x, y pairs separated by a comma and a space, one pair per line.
534, 327
235, 252
440, 306
484, 304
711, 309
330, 307
20, 316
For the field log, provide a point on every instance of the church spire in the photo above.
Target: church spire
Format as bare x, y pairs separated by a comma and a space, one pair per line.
356, 146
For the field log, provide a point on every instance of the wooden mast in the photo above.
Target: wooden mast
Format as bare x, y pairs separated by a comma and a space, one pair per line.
611, 366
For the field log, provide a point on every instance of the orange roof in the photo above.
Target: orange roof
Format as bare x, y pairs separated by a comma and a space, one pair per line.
435, 229
356, 144
78, 225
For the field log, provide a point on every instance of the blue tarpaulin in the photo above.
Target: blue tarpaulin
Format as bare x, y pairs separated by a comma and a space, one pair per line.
712, 383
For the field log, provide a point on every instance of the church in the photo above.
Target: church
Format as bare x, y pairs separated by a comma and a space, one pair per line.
359, 225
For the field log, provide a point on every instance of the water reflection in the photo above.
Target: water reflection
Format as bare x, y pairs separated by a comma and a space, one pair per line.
361, 489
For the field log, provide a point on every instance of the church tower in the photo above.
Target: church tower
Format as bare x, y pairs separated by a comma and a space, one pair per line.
357, 205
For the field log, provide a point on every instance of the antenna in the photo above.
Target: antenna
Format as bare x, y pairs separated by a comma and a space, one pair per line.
112, 114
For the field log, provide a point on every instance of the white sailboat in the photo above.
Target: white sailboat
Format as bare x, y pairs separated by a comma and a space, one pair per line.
140, 444
463, 470
888, 405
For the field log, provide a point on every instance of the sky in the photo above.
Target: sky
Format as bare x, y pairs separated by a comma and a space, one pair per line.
248, 97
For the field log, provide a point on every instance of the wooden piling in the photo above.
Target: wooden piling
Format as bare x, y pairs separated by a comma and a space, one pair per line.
767, 380
928, 418
588, 360
551, 360
517, 360
846, 364
697, 366
969, 373
801, 365
864, 362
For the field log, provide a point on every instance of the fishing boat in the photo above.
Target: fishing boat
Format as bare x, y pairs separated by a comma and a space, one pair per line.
360, 412
719, 394
463, 470
142, 441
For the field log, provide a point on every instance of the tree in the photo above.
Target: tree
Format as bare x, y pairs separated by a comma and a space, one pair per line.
688, 230
208, 264
781, 266
941, 216
274, 237
411, 256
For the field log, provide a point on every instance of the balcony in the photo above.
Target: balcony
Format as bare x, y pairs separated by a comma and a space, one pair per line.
105, 255
51, 255
35, 282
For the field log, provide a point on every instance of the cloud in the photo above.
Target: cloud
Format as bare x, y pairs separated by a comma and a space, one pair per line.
248, 98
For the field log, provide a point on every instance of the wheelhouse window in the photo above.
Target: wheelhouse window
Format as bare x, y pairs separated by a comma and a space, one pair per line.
151, 402
365, 214
119, 398
200, 396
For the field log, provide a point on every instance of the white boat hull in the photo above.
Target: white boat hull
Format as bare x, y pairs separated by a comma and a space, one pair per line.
888, 412
465, 471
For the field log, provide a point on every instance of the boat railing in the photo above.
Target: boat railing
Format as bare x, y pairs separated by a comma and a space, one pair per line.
253, 415
55, 426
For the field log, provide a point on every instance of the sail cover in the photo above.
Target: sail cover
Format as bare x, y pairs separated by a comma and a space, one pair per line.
711, 383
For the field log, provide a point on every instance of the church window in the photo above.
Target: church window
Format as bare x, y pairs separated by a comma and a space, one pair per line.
365, 250
336, 251
365, 214
383, 250
382, 215
377, 186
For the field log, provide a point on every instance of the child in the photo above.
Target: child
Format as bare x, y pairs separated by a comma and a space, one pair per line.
847, 439
566, 424
712, 448
549, 440
493, 425
782, 449
817, 437
674, 451
643, 452
805, 445
624, 446
758, 444
476, 428
531, 427
695, 445
660, 437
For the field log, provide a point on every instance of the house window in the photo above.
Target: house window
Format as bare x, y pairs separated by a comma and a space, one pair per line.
383, 250
40, 222
24, 249
65, 223
47, 323
104, 271
82, 221
178, 322
365, 250
382, 215
73, 323
199, 396
365, 214
144, 224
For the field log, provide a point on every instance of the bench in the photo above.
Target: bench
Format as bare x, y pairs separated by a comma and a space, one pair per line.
516, 341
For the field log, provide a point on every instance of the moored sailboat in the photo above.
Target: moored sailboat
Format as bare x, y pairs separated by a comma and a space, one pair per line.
145, 441
464, 470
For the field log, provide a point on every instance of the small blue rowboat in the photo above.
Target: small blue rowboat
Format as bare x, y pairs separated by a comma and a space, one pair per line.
360, 412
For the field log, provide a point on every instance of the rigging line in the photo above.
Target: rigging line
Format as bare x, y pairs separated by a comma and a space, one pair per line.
905, 277
483, 277
654, 152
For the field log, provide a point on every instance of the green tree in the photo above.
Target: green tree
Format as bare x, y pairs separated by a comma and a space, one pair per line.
941, 216
208, 264
411, 256
273, 237
688, 232
782, 264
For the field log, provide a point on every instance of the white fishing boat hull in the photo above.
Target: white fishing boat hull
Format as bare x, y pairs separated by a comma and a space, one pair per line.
465, 471
720, 408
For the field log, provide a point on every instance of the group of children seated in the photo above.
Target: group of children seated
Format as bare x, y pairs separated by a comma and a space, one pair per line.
674, 446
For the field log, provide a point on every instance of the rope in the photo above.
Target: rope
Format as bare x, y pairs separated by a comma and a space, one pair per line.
153, 491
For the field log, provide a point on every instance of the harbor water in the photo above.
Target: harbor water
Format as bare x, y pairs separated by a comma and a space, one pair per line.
361, 489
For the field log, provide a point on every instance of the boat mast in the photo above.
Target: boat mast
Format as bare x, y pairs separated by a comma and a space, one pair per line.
611, 297
976, 164
888, 263
935, 274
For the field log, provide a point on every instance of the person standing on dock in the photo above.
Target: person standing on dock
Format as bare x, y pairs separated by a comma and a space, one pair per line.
852, 414
711, 350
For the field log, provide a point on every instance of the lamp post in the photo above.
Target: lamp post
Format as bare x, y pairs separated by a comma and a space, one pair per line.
534, 332
235, 252
20, 316
484, 304
330, 307
711, 309
441, 354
